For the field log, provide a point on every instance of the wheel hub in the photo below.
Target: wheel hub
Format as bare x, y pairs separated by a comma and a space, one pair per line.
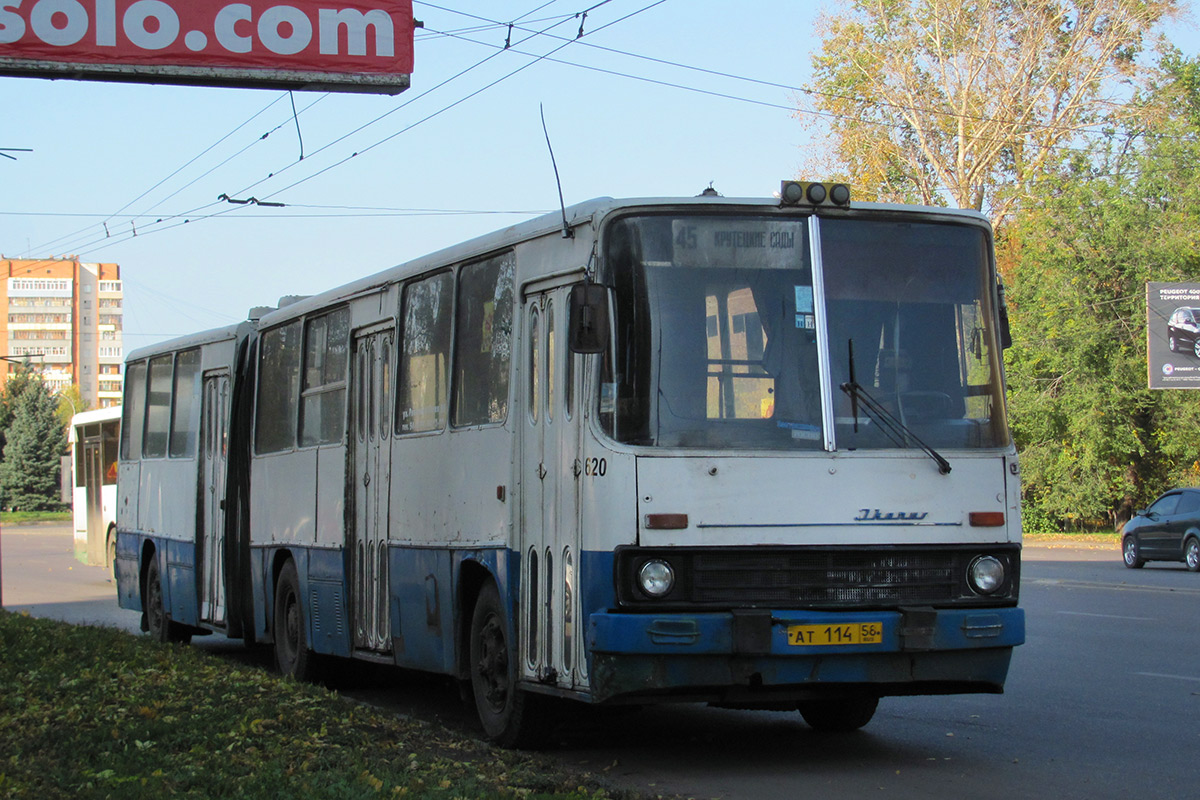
492, 668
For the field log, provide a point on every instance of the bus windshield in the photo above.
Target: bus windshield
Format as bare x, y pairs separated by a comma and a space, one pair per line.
717, 346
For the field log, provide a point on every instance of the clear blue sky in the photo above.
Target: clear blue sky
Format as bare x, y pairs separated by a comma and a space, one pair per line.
128, 155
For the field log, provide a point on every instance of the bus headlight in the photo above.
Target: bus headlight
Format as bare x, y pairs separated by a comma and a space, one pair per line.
986, 574
656, 578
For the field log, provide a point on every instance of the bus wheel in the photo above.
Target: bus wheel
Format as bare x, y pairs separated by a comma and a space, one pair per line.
838, 715
112, 553
292, 656
160, 627
509, 714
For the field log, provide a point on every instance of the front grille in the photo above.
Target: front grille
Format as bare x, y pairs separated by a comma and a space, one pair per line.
816, 577
834, 577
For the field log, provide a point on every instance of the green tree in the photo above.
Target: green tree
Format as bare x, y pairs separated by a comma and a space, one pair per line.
18, 381
1095, 442
969, 102
70, 403
34, 442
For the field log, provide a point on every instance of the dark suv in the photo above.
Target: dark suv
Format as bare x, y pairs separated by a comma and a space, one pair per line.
1169, 530
1183, 330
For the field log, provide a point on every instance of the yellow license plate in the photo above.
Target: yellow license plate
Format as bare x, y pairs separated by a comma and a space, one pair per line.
825, 635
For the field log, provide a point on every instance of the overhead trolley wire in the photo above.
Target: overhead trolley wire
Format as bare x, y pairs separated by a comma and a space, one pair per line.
825, 114
536, 59
222, 163
494, 25
65, 239
72, 241
1088, 130
169, 222
360, 128
375, 211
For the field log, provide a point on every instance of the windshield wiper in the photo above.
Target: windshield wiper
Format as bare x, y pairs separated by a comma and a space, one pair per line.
895, 429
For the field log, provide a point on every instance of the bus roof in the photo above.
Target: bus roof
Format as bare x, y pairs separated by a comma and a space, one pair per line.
110, 414
184, 342
589, 211
96, 415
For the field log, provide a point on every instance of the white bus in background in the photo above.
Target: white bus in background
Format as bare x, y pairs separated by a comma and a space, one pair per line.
93, 438
749, 452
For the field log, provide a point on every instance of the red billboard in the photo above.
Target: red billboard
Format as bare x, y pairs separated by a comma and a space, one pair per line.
339, 45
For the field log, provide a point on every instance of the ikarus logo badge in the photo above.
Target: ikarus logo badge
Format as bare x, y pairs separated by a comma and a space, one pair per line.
876, 515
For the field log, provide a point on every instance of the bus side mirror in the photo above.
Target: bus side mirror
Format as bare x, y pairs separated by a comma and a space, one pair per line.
1005, 331
589, 318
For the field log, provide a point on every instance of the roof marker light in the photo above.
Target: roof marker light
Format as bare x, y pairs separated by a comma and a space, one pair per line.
804, 193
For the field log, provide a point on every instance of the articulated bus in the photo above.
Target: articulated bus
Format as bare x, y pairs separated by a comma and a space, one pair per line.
752, 453
93, 437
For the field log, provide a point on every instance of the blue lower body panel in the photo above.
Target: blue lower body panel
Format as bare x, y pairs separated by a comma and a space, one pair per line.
127, 569
747, 656
181, 575
176, 562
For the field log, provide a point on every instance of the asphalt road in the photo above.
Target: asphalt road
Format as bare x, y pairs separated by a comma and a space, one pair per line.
1101, 702
41, 576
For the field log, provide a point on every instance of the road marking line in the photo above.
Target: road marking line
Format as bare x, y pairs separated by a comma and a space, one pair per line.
1106, 616
1163, 675
1120, 587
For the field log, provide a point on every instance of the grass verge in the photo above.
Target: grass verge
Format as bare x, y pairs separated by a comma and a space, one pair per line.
97, 713
1069, 539
33, 517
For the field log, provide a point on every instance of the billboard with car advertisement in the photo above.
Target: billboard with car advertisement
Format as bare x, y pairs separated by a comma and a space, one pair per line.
329, 45
1173, 335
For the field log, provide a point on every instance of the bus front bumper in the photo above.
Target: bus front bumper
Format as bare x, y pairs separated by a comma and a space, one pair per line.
765, 656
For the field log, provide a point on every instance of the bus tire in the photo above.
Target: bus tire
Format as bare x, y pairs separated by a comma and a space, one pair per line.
293, 658
839, 714
110, 551
509, 714
160, 628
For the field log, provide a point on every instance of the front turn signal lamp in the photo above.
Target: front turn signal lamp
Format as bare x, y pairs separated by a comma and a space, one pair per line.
666, 522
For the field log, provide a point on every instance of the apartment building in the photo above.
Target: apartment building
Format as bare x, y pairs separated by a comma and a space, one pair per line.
64, 317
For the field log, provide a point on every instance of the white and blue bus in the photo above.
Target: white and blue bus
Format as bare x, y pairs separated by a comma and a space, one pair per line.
744, 452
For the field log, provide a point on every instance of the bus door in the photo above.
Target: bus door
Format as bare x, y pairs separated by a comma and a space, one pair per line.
214, 443
93, 480
549, 480
370, 426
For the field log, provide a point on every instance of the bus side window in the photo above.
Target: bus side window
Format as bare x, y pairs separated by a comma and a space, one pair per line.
187, 390
427, 318
483, 341
133, 412
78, 450
550, 375
326, 355
278, 389
158, 407
108, 451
